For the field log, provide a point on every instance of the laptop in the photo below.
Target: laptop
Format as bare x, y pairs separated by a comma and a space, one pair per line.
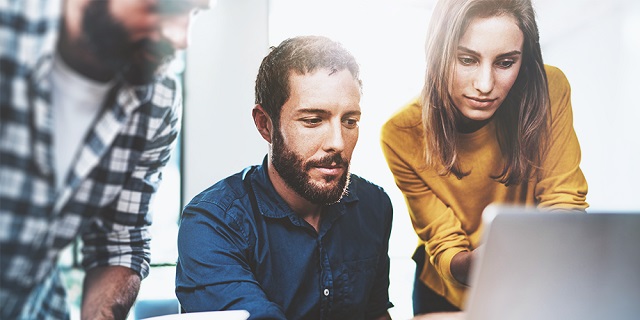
544, 265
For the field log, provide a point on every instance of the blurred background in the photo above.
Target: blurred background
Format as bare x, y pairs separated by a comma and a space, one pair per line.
596, 43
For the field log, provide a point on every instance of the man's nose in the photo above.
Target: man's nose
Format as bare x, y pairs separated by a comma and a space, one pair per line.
334, 141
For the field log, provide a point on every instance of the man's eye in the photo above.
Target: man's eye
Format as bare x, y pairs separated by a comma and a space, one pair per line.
172, 8
351, 123
312, 121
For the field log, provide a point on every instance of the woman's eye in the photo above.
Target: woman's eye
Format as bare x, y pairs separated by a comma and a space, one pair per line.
505, 64
466, 61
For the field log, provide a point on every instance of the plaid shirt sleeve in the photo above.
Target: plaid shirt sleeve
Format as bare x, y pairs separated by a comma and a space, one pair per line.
120, 235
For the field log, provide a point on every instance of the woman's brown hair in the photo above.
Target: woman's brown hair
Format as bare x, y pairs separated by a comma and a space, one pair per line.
521, 120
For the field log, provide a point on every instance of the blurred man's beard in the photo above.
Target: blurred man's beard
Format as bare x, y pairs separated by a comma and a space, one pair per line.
295, 173
108, 40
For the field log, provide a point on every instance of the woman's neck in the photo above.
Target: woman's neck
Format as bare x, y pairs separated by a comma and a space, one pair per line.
466, 125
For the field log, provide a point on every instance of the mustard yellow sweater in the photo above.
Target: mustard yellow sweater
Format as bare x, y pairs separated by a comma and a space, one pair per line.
446, 212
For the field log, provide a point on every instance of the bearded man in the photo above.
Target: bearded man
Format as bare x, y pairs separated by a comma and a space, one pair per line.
297, 237
88, 119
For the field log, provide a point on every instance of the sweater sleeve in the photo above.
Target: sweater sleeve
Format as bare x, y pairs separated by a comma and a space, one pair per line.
562, 184
433, 220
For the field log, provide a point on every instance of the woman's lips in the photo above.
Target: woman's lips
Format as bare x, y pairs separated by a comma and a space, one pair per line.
480, 102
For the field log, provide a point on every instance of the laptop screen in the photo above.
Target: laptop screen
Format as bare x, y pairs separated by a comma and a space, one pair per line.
550, 265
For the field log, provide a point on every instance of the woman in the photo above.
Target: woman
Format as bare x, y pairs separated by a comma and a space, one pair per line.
493, 125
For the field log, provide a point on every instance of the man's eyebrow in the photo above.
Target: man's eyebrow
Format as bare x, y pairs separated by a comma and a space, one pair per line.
354, 113
312, 110
325, 112
502, 55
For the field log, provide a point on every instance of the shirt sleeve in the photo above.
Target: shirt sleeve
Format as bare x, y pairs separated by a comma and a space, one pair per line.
379, 299
562, 184
214, 265
120, 235
432, 219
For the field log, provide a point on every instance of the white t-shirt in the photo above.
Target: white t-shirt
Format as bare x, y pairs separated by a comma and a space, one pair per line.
77, 101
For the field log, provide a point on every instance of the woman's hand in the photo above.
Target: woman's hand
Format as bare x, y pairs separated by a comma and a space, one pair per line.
461, 264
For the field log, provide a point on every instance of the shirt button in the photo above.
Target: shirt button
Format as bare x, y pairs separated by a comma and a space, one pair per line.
326, 292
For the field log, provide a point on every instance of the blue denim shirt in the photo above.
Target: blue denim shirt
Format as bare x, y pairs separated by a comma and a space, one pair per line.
273, 263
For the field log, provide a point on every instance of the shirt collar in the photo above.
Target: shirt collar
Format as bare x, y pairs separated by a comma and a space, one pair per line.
271, 203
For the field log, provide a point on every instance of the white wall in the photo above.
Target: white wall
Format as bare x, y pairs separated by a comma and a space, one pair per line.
228, 44
597, 44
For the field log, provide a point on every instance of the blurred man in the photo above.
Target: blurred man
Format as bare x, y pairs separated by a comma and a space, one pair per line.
88, 120
297, 237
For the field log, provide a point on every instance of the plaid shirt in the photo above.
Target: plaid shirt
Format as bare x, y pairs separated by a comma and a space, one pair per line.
108, 190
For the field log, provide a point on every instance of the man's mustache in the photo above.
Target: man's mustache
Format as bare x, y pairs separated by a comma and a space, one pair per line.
331, 160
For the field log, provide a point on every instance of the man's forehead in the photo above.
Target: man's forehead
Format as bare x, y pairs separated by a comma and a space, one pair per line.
202, 4
206, 4
209, 4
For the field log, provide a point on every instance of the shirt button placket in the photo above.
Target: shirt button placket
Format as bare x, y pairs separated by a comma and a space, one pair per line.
326, 303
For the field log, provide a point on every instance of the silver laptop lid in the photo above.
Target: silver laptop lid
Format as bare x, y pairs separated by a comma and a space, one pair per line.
543, 265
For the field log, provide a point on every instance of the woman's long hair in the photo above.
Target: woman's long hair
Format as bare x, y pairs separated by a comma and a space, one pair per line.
521, 120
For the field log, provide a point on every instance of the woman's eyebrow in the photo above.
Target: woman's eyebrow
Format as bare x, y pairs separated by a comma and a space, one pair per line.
506, 54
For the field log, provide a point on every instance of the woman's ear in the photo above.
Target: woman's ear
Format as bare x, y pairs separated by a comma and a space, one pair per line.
263, 122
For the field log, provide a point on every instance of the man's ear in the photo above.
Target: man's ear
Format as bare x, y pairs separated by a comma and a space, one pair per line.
263, 122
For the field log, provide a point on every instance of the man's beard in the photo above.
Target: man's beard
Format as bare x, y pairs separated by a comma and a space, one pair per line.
295, 173
109, 41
